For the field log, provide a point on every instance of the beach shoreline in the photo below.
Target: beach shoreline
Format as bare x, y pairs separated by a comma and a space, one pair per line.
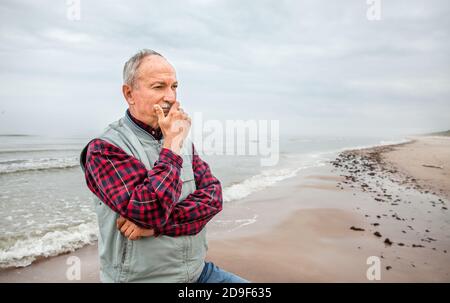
323, 224
351, 212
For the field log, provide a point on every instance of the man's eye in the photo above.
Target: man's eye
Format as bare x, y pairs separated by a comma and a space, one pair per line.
157, 87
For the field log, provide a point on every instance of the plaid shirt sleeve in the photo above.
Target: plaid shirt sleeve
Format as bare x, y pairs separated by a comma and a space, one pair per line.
146, 197
191, 215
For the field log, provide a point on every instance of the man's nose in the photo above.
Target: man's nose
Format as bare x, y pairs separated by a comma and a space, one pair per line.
170, 96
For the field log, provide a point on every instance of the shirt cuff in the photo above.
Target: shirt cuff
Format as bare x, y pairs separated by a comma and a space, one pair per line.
157, 232
168, 156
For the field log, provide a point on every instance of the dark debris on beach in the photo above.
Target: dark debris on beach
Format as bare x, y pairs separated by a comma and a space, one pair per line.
368, 171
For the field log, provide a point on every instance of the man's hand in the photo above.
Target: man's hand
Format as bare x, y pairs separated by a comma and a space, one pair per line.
175, 126
131, 230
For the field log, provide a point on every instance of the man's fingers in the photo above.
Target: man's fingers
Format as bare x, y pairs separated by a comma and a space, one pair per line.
134, 235
129, 230
174, 108
159, 112
183, 116
120, 222
125, 226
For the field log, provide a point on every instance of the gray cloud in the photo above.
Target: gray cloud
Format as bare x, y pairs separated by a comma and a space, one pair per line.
317, 66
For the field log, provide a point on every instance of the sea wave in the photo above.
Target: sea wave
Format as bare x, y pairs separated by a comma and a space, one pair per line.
381, 143
39, 150
24, 251
22, 165
268, 178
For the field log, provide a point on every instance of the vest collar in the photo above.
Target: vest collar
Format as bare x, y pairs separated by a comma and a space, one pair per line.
138, 127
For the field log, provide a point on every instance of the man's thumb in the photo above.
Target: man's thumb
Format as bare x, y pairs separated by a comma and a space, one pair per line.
159, 112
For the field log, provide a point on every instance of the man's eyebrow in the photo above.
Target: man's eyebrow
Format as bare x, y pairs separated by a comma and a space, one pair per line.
162, 83
158, 82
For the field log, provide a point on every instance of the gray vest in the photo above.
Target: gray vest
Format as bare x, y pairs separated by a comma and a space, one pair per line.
149, 259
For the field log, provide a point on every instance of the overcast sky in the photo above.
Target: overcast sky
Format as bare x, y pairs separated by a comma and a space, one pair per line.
319, 67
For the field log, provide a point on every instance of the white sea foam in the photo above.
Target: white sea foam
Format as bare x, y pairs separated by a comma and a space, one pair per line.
18, 165
233, 225
381, 143
53, 243
268, 178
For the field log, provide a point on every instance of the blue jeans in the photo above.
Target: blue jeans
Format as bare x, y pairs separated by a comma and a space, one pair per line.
213, 274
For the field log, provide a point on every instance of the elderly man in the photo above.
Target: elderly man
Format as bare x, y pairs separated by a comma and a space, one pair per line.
154, 195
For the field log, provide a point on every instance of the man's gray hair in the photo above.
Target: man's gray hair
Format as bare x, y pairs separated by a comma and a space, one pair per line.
132, 65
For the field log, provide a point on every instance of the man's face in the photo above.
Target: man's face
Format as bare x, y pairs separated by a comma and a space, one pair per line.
156, 83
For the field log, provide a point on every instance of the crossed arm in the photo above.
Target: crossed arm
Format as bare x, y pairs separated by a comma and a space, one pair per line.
147, 200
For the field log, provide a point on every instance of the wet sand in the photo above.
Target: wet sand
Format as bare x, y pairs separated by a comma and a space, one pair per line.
388, 202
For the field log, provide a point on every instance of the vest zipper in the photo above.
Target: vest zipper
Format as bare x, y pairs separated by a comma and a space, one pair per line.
124, 253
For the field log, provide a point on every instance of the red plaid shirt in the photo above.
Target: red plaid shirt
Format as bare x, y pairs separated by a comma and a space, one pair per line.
149, 198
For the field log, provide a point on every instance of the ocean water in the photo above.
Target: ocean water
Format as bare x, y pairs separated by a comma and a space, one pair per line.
46, 209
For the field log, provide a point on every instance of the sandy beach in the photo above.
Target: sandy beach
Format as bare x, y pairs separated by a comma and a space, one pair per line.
389, 202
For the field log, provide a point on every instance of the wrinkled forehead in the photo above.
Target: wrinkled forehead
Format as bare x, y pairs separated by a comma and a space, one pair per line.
156, 67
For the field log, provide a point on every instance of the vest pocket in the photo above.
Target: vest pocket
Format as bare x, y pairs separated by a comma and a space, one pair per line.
100, 209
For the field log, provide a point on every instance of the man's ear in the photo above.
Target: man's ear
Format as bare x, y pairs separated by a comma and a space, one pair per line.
127, 93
